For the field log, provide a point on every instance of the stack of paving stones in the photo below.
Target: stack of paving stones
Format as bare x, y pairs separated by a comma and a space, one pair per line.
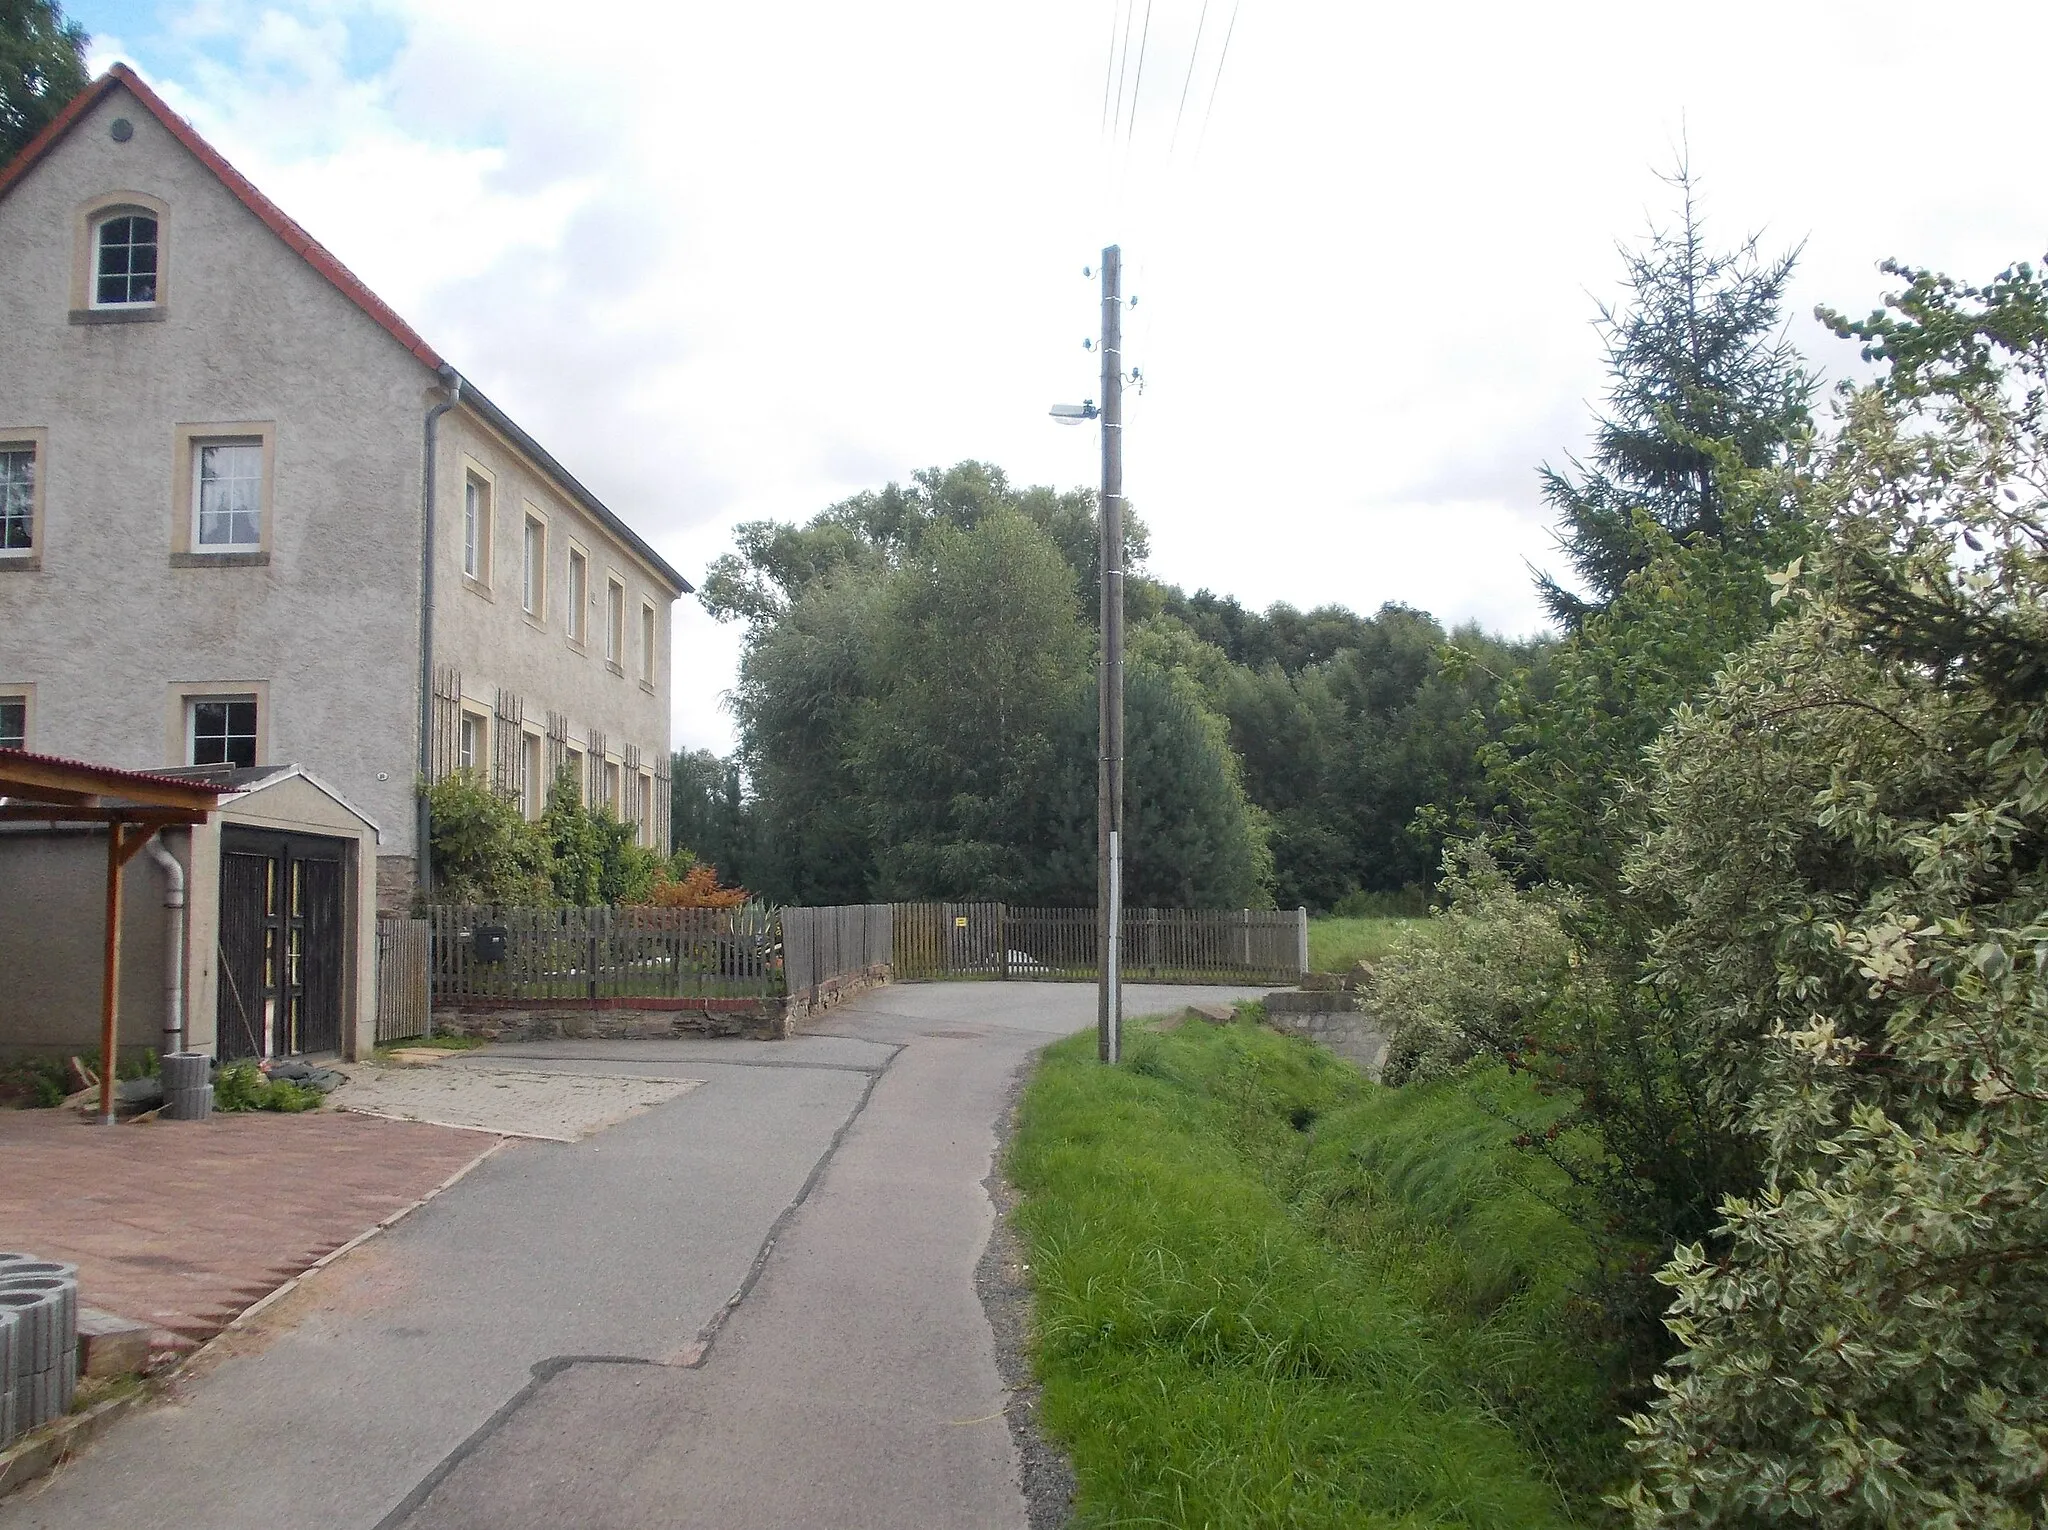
38, 1342
188, 1090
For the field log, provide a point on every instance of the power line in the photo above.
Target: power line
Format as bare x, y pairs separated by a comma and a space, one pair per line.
1138, 80
1109, 65
1123, 67
1193, 54
1221, 59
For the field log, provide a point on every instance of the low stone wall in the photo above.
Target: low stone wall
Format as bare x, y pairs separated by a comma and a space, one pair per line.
761, 1019
768, 1018
807, 1004
1332, 1019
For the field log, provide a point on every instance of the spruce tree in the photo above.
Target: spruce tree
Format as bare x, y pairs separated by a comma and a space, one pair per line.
1698, 362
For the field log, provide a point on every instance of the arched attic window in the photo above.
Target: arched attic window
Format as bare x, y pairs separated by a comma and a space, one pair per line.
124, 258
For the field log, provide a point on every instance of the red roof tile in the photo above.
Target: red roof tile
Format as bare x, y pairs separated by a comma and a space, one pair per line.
88, 776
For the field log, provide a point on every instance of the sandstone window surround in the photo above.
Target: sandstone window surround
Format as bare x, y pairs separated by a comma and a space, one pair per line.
17, 716
223, 481
533, 582
219, 723
615, 625
120, 268
650, 625
532, 780
479, 491
471, 732
576, 601
22, 457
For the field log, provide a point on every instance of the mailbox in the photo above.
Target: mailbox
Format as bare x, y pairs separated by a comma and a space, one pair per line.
487, 943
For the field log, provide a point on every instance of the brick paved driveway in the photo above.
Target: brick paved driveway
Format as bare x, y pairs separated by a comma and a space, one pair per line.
183, 1224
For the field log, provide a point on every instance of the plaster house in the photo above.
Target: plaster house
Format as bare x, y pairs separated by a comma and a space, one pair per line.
249, 518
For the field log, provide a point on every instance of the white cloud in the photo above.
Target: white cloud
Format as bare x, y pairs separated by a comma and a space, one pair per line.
732, 261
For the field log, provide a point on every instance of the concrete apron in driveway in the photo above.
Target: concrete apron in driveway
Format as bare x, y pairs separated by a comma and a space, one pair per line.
550, 1343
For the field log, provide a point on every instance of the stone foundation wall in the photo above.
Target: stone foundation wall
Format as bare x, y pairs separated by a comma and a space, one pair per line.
1333, 1019
770, 1018
807, 1004
763, 1019
395, 880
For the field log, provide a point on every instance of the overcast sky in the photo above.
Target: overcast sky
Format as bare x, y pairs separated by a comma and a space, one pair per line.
737, 261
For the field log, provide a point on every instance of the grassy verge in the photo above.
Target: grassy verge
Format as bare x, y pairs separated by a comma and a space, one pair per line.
1271, 1293
440, 1042
1335, 944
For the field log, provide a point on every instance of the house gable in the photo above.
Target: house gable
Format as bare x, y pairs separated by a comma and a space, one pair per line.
120, 78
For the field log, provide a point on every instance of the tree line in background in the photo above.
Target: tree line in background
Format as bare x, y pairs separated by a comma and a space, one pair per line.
917, 713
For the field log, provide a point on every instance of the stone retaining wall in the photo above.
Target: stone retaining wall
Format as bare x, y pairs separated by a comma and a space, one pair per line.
766, 1018
807, 1004
1332, 1019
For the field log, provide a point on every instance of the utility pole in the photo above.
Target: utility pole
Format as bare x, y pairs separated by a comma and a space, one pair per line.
1109, 796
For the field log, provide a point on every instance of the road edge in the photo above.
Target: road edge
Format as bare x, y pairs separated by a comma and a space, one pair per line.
1002, 1279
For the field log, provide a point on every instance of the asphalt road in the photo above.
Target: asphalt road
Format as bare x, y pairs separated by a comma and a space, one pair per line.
753, 1306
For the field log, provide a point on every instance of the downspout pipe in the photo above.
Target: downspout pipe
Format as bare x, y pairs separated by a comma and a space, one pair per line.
422, 852
174, 943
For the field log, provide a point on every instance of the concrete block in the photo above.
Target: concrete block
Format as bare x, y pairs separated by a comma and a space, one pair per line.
110, 1345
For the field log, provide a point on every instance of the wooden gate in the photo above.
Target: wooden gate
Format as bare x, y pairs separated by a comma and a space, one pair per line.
404, 1008
283, 924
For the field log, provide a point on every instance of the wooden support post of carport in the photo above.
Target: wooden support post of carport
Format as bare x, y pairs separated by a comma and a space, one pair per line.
124, 839
134, 805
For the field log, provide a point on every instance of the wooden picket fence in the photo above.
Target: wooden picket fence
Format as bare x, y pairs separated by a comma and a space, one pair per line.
994, 940
819, 944
603, 953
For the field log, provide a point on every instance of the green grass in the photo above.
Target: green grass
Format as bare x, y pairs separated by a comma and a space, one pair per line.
1270, 1293
1334, 945
438, 1043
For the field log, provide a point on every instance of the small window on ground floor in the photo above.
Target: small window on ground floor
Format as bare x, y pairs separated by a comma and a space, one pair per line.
574, 761
535, 784
220, 730
469, 742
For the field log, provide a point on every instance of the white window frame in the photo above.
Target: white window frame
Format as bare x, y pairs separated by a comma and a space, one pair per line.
472, 741
254, 701
23, 696
532, 762
614, 788
479, 517
34, 444
533, 569
615, 623
201, 445
100, 222
578, 595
